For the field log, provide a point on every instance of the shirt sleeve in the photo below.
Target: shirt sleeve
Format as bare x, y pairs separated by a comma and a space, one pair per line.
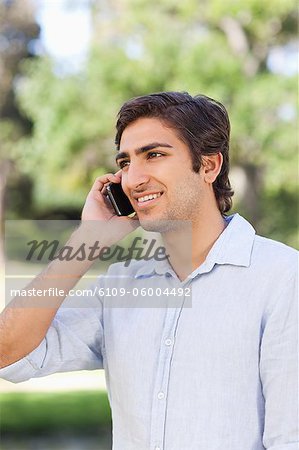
279, 370
74, 341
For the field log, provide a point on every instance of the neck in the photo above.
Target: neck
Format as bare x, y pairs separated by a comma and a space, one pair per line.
189, 245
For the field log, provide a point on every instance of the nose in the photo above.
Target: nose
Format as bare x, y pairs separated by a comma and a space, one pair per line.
135, 176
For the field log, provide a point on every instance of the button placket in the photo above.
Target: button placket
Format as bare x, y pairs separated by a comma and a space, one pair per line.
162, 379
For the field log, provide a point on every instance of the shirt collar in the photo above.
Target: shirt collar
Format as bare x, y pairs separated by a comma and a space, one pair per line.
233, 246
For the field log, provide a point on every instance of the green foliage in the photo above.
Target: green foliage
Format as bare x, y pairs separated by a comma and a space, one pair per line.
40, 413
217, 48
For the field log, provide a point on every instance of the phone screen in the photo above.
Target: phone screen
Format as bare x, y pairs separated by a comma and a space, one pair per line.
119, 200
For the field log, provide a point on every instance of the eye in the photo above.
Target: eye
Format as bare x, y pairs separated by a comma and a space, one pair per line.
154, 155
123, 163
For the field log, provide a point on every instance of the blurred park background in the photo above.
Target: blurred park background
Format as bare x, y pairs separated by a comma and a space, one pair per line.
66, 66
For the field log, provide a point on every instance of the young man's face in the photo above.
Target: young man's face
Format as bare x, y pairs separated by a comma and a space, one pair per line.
154, 161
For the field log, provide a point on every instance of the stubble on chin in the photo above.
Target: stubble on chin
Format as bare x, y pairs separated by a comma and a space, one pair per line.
163, 225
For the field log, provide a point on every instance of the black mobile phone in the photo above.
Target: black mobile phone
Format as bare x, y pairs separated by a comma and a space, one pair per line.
119, 200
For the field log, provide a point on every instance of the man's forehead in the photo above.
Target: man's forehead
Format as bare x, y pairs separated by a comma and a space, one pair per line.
145, 131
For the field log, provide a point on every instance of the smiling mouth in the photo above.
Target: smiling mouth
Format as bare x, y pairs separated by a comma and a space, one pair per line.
147, 198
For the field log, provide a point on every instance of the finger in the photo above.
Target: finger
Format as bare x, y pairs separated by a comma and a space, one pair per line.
100, 182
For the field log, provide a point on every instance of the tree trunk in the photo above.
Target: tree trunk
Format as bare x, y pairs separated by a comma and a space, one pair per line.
254, 184
5, 166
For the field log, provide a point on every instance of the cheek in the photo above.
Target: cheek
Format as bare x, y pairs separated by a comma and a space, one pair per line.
188, 187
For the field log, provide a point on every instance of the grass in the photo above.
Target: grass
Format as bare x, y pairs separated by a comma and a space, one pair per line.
40, 413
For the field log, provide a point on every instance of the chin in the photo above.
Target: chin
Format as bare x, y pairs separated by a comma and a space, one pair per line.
158, 225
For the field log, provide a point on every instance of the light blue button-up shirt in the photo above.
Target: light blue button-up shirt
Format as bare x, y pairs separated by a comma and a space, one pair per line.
214, 372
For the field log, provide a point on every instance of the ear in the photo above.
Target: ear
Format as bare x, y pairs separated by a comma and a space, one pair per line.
211, 167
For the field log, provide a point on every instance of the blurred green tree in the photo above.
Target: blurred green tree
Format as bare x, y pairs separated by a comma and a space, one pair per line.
18, 32
222, 49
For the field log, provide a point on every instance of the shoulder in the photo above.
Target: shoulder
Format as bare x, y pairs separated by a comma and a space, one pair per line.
275, 257
277, 266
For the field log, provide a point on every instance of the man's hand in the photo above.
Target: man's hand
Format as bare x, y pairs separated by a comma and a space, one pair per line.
98, 207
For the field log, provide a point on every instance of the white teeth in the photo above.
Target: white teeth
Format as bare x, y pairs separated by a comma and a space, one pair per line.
148, 197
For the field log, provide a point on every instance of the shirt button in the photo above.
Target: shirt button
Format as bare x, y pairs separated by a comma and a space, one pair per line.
161, 395
157, 448
168, 342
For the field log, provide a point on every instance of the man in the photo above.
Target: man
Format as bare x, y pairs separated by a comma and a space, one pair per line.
220, 373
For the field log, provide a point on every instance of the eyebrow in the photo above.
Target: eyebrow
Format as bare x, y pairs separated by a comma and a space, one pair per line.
143, 149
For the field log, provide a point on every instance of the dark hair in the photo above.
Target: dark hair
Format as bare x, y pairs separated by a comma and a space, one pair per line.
200, 122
